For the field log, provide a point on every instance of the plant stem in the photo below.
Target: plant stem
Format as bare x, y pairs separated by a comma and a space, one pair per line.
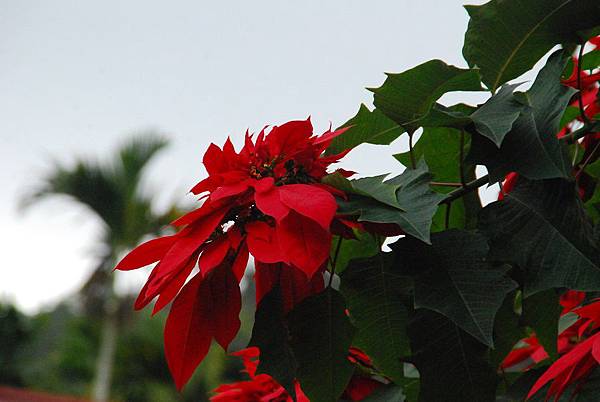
461, 157
413, 162
447, 220
334, 261
467, 188
443, 184
580, 94
588, 128
587, 160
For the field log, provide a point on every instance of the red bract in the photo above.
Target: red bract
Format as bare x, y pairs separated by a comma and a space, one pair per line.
267, 201
260, 387
578, 360
263, 388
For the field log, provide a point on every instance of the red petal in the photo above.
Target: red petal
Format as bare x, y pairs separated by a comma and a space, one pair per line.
563, 364
241, 262
227, 302
330, 135
303, 242
208, 184
293, 283
204, 309
189, 240
311, 201
229, 190
263, 243
174, 285
591, 311
189, 330
289, 137
146, 253
213, 254
268, 200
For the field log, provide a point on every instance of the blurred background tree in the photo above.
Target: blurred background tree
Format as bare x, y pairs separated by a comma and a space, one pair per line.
113, 192
91, 344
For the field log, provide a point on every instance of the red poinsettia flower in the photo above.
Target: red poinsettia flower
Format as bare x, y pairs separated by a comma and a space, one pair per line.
529, 351
578, 359
260, 387
266, 200
263, 388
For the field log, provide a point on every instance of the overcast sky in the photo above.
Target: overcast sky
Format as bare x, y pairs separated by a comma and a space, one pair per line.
76, 78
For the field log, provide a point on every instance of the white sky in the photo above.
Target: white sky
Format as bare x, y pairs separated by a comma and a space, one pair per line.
78, 77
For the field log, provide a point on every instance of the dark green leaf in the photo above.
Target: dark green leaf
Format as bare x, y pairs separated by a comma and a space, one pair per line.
270, 335
506, 38
374, 293
591, 60
389, 393
363, 246
378, 189
542, 227
453, 278
495, 118
409, 96
541, 312
531, 148
451, 363
366, 127
321, 335
507, 331
416, 204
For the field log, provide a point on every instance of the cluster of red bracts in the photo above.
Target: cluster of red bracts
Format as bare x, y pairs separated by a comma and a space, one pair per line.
266, 201
578, 345
263, 388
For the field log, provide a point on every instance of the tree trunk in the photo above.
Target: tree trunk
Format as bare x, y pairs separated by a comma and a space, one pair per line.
106, 354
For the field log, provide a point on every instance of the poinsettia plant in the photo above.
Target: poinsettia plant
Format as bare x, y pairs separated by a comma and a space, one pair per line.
466, 302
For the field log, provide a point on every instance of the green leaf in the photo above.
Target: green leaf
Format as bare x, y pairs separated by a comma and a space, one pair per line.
541, 313
542, 227
371, 127
507, 330
377, 188
415, 207
453, 278
270, 335
591, 60
495, 118
409, 96
320, 336
531, 147
363, 246
505, 38
570, 114
451, 363
375, 299
440, 147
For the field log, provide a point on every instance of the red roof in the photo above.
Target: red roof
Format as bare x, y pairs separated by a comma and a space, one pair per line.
9, 394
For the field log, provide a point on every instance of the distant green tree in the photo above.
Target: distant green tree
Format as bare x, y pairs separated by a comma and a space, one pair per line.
14, 332
113, 193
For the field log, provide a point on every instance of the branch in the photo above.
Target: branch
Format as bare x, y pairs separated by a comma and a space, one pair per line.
467, 188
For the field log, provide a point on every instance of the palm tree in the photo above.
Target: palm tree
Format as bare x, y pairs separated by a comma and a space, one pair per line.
113, 192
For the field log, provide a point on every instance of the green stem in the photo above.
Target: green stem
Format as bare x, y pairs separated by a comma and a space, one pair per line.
334, 261
580, 95
411, 153
463, 181
467, 188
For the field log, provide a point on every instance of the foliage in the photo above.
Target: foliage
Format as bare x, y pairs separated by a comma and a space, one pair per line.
469, 297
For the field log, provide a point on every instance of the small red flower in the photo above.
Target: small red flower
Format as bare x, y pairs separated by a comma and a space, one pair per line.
266, 200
